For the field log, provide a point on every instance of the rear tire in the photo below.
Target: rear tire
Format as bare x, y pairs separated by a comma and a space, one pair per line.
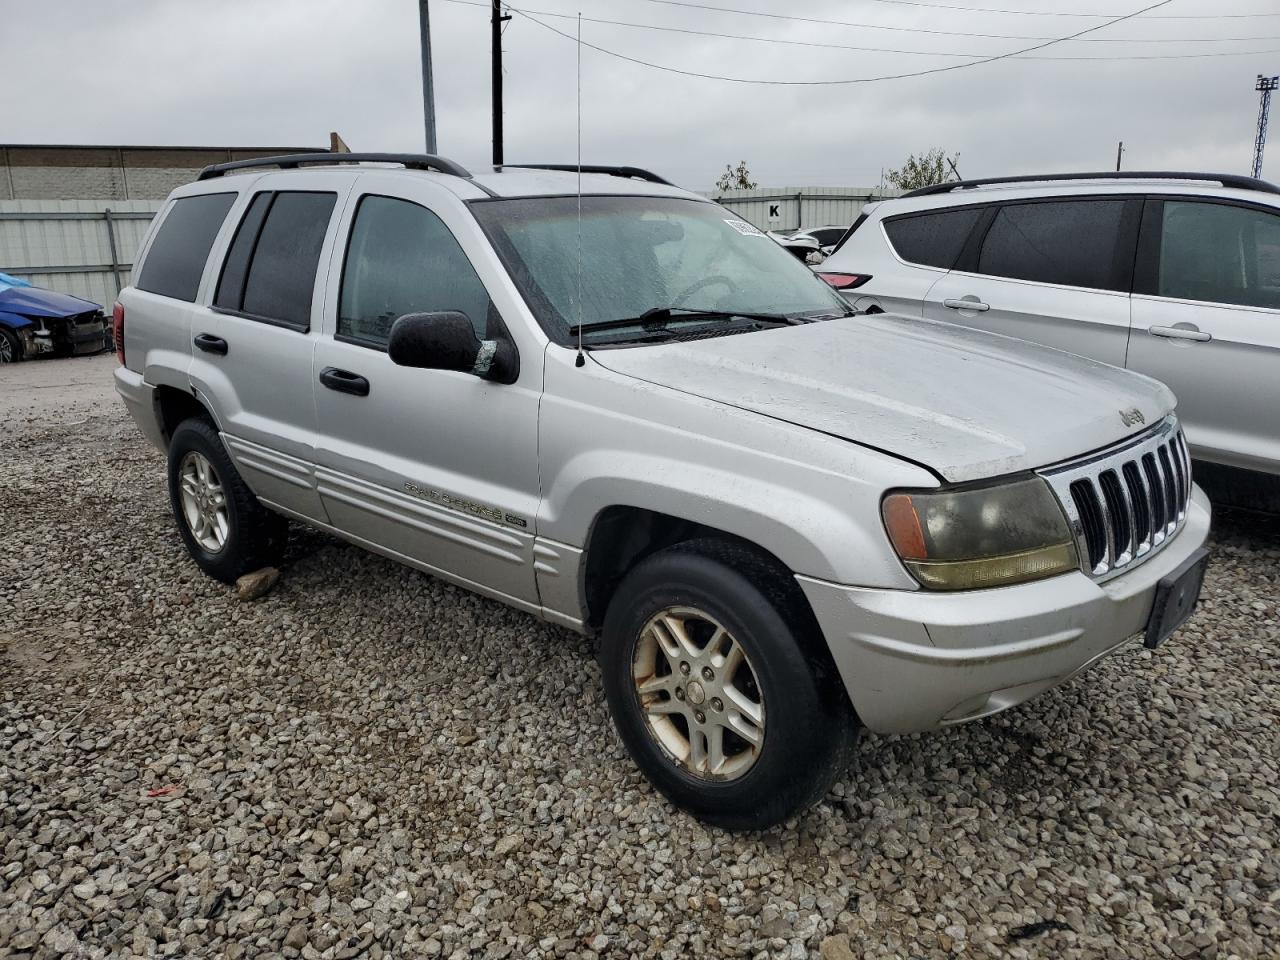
787, 730
227, 531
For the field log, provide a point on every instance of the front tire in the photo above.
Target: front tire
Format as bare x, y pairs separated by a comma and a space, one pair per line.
721, 688
10, 347
226, 530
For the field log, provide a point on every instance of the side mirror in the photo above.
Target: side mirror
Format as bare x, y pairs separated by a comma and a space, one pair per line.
447, 341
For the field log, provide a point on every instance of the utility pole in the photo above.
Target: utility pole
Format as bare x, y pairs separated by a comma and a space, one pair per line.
496, 20
1119, 154
428, 86
1264, 86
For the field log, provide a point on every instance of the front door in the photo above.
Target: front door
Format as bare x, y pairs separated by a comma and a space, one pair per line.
1206, 321
436, 467
1055, 272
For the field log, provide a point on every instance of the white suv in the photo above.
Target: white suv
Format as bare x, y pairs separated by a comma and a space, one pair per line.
626, 411
1174, 275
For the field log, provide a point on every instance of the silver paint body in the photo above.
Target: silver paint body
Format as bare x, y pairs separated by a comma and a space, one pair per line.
1228, 384
786, 437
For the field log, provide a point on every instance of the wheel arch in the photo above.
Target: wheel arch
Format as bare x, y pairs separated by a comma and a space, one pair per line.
172, 406
622, 535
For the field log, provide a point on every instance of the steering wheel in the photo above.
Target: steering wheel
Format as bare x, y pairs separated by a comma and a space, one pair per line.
717, 278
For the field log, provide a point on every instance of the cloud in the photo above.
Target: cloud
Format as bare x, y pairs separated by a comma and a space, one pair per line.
242, 73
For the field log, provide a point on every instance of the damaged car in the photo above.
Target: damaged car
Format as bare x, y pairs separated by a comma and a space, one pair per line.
35, 321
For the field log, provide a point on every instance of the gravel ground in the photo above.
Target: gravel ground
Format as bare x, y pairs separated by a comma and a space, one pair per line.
368, 762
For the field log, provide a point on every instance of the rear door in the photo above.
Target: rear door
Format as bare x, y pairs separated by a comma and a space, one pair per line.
1206, 321
254, 341
1055, 271
432, 466
160, 302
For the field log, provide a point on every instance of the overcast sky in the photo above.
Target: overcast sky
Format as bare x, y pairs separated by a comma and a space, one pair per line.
285, 72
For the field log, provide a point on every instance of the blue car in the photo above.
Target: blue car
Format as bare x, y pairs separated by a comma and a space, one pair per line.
35, 321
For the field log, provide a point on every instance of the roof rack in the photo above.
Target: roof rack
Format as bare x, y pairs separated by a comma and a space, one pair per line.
634, 172
1226, 179
410, 161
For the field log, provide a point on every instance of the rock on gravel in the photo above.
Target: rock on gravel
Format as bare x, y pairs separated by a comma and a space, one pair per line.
375, 764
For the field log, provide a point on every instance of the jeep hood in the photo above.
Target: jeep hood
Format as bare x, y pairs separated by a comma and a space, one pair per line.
965, 403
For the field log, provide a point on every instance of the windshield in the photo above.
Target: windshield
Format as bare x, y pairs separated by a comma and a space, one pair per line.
641, 254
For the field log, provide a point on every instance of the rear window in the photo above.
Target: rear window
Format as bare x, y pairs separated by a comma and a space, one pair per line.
1071, 242
932, 239
177, 256
270, 270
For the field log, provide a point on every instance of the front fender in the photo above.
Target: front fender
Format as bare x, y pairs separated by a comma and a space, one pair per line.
810, 499
15, 321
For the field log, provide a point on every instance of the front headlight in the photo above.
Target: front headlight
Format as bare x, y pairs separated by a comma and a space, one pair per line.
975, 537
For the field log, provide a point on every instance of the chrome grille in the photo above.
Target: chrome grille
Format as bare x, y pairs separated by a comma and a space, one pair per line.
1126, 503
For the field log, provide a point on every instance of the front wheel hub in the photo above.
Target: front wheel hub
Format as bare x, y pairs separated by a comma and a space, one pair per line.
680, 642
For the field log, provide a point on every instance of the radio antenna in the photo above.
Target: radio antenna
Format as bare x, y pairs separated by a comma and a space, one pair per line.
581, 360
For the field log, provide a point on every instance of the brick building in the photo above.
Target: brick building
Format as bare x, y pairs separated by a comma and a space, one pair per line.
56, 172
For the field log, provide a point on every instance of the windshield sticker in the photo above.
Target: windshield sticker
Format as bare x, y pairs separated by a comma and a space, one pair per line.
744, 228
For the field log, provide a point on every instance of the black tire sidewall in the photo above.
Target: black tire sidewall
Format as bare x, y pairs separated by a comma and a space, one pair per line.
806, 728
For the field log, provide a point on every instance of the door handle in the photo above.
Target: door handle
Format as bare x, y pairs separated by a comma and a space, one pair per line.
1188, 332
344, 381
211, 344
967, 303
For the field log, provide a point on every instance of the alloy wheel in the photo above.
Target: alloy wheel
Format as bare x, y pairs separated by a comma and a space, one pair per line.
699, 693
204, 503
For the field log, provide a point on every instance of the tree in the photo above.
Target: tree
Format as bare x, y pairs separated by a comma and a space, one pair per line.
924, 170
736, 179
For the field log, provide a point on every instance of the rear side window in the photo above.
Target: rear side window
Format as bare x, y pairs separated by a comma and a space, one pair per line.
1070, 242
1220, 254
178, 254
932, 239
270, 270
401, 258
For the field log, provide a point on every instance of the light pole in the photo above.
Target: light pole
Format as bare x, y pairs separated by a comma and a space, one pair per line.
1264, 86
428, 86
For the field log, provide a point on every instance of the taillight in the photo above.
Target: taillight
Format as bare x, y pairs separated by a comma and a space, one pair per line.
845, 281
117, 330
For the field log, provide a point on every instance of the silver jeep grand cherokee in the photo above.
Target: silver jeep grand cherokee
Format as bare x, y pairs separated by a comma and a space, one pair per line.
611, 403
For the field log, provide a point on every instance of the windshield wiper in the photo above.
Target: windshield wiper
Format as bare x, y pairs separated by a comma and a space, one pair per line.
659, 317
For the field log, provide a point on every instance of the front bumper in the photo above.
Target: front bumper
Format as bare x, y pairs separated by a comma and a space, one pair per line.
920, 660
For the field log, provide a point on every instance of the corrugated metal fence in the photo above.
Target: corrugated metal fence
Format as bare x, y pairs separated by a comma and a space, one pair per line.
787, 208
82, 247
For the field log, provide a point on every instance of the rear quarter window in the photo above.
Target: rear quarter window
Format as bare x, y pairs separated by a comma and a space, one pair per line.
176, 258
932, 239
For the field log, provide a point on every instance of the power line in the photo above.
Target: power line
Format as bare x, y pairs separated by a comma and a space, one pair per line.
663, 28
1036, 13
689, 4
816, 83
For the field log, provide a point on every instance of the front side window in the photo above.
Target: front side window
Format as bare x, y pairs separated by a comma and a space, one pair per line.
401, 258
177, 256
1069, 242
270, 270
627, 256
1220, 254
932, 239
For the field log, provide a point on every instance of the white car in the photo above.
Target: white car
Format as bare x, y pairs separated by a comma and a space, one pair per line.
1175, 275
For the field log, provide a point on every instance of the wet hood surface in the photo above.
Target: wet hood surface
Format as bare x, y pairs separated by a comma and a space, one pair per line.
964, 403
